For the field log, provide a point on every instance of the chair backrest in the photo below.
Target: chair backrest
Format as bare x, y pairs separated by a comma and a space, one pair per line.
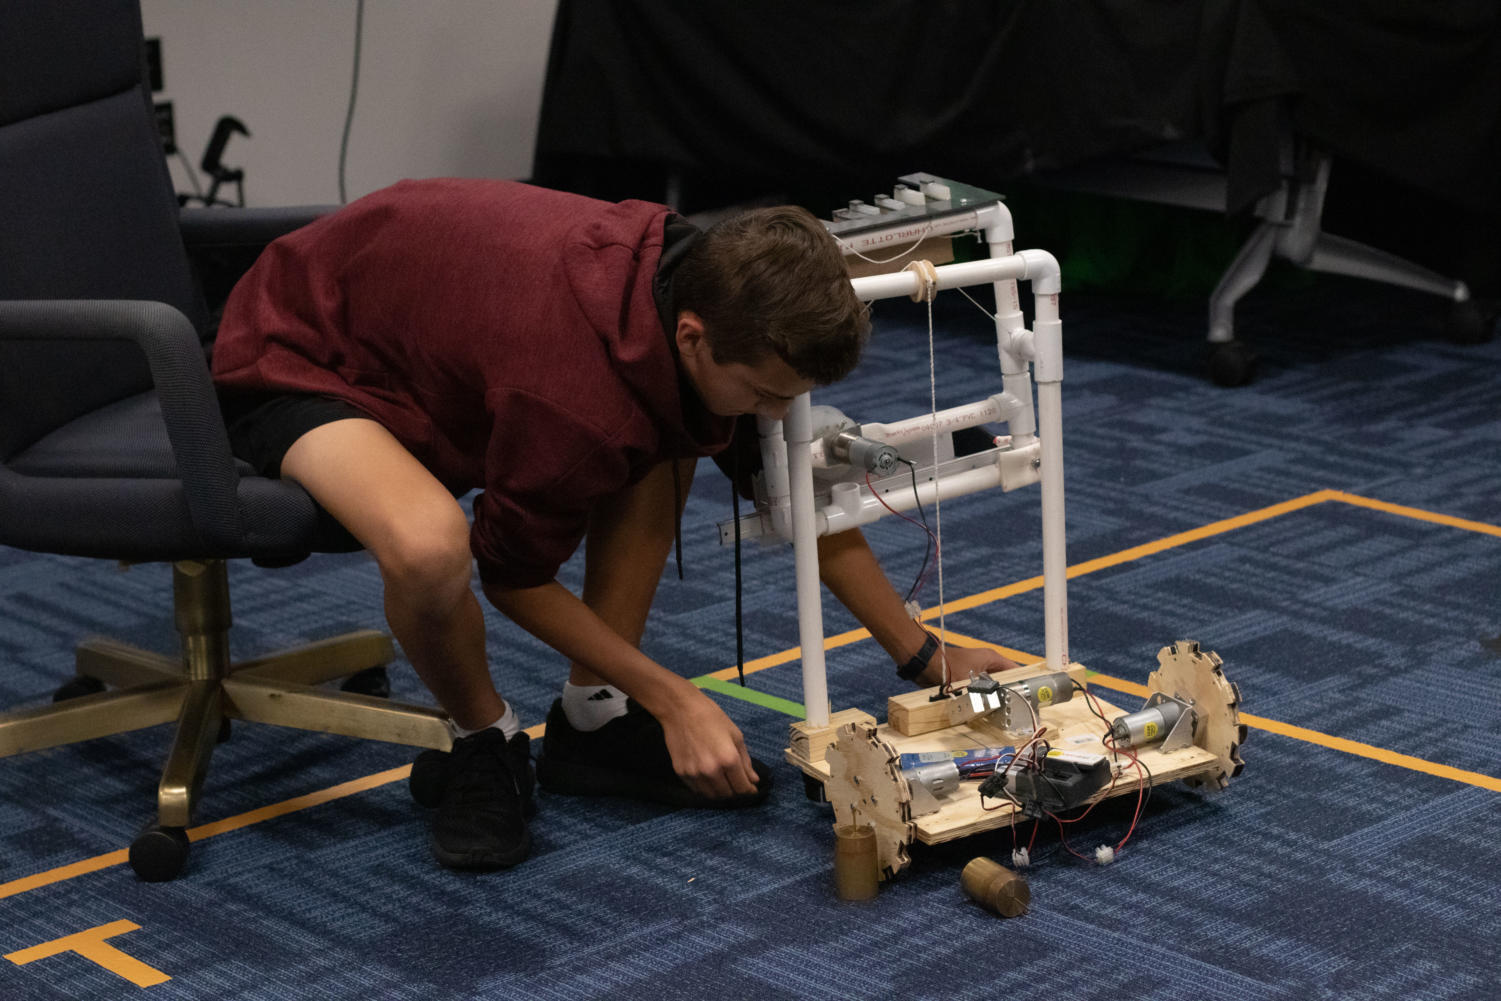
87, 207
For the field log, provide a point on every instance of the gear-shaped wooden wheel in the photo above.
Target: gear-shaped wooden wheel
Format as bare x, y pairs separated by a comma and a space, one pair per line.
1185, 672
865, 786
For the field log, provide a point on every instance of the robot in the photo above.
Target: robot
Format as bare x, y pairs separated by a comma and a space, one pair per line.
974, 754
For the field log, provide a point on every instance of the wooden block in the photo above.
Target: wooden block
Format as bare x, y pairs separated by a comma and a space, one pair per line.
809, 745
913, 713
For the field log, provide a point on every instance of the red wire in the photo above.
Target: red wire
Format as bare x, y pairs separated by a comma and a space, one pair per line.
875, 493
930, 545
1141, 783
1141, 780
1109, 743
1062, 837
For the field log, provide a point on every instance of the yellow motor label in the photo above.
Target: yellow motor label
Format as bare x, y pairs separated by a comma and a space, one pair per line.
1149, 730
1045, 695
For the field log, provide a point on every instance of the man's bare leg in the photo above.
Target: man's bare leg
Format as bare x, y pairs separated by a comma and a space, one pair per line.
419, 536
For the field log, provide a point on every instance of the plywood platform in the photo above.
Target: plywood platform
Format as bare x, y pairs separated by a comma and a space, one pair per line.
856, 759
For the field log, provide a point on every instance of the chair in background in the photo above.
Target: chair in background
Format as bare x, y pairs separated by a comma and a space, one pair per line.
111, 441
1289, 225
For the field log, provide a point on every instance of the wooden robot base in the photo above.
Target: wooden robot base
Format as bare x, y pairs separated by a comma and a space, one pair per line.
1188, 730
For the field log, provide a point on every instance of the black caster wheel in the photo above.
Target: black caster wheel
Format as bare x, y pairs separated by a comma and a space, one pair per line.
371, 681
1231, 363
78, 687
813, 789
159, 853
426, 780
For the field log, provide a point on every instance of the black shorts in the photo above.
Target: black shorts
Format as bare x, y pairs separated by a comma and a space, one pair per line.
263, 425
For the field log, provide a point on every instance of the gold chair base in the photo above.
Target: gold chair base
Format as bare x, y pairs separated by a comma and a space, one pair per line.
203, 688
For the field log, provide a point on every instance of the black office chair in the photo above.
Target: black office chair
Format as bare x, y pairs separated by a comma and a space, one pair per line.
111, 441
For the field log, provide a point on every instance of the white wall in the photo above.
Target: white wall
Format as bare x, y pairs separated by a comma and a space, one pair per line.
446, 88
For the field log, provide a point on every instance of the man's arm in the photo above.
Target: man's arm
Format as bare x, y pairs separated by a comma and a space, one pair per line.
852, 574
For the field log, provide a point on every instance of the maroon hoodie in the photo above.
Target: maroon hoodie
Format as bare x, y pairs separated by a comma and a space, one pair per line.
507, 335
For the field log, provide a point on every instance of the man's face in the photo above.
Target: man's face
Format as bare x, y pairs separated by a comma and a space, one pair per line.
765, 388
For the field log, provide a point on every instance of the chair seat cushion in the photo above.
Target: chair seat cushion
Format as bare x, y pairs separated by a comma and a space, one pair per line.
113, 471
126, 438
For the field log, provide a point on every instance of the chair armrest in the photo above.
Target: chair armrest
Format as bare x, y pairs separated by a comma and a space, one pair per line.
190, 408
253, 228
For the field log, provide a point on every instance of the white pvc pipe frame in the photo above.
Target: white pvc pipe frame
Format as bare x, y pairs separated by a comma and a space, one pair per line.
1042, 347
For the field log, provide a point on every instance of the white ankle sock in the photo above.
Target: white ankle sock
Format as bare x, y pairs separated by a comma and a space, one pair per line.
589, 707
508, 724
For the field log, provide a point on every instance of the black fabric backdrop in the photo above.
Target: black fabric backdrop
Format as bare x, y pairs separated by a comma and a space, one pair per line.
856, 92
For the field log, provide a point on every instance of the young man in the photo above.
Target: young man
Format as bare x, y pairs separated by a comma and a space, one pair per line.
572, 359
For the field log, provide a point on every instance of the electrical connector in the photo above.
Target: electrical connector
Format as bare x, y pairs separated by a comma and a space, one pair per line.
1021, 858
1104, 855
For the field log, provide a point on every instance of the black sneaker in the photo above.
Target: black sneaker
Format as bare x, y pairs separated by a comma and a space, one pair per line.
625, 757
482, 790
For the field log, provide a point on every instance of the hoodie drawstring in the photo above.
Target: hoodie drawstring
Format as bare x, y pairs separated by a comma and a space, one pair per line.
677, 515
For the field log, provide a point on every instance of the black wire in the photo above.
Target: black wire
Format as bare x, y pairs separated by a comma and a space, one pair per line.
735, 515
354, 89
1007, 794
927, 543
1145, 800
1091, 706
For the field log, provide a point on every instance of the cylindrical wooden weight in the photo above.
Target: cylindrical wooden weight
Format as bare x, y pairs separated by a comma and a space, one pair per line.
857, 863
995, 888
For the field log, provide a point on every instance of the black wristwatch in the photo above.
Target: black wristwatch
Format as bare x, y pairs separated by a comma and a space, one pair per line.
919, 662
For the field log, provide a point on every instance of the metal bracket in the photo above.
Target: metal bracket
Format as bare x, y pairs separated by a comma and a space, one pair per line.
1182, 733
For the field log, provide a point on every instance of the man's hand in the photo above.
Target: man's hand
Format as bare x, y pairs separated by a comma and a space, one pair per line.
963, 661
708, 751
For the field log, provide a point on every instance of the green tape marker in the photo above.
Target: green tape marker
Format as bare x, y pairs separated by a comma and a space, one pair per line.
781, 705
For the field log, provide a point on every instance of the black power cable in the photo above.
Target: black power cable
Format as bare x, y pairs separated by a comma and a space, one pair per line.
354, 88
735, 516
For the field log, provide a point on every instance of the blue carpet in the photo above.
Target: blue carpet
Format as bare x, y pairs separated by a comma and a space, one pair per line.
1320, 873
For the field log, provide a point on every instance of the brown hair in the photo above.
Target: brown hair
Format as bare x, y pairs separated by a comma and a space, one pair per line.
772, 280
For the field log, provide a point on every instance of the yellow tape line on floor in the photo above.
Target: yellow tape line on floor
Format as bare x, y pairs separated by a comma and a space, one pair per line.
109, 859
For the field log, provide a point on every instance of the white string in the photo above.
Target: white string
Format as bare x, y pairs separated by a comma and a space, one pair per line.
927, 290
988, 313
937, 498
897, 256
